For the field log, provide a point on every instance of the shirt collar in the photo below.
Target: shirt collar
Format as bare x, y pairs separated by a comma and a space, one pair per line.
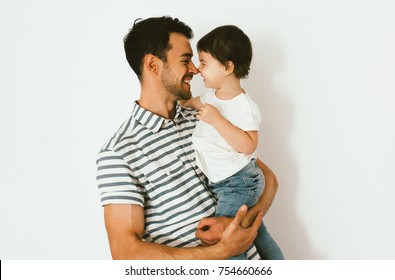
154, 122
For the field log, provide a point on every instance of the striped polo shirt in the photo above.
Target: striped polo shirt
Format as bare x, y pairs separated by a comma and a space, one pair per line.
150, 162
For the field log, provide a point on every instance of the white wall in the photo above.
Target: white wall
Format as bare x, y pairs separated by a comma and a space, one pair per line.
323, 75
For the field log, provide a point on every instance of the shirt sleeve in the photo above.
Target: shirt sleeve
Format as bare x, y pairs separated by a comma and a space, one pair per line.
116, 182
250, 119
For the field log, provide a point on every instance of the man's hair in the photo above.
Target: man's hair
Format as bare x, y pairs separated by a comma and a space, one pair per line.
151, 36
229, 43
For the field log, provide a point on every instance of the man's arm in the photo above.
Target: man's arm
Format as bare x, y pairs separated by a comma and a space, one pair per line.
210, 229
125, 225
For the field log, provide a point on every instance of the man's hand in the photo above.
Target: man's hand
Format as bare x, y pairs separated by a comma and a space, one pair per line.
250, 217
237, 239
209, 230
214, 229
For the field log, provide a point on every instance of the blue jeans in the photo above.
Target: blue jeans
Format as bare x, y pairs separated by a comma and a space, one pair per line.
245, 187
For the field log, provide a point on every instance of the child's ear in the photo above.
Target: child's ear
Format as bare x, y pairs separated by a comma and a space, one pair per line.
229, 67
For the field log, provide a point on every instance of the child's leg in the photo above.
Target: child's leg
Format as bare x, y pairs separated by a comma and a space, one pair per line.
266, 246
233, 193
243, 188
228, 202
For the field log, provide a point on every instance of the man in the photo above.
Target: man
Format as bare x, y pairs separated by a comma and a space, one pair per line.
153, 194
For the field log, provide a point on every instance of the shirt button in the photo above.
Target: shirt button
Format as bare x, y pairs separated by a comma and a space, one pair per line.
167, 172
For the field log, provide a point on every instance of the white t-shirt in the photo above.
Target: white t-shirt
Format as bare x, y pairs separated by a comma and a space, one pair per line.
214, 156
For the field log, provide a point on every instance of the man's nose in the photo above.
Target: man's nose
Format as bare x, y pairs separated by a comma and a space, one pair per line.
193, 69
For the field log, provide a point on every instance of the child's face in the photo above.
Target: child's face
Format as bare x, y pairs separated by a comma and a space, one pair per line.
212, 71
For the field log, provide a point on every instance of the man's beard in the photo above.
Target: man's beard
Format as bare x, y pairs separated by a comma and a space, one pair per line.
174, 88
179, 93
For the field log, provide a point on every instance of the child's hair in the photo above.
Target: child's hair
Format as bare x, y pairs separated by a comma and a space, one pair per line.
229, 43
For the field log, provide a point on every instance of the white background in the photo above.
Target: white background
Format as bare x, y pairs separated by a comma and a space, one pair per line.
323, 74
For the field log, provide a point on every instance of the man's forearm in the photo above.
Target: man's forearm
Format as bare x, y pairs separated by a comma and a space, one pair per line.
140, 250
125, 224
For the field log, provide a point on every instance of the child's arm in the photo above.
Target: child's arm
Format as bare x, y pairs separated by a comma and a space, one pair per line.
193, 103
242, 141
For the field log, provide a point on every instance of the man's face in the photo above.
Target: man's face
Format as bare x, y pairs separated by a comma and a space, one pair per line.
179, 69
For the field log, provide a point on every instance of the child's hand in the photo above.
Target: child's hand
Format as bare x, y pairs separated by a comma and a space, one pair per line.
209, 114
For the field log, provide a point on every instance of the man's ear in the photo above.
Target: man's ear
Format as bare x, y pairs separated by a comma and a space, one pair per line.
151, 63
229, 67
